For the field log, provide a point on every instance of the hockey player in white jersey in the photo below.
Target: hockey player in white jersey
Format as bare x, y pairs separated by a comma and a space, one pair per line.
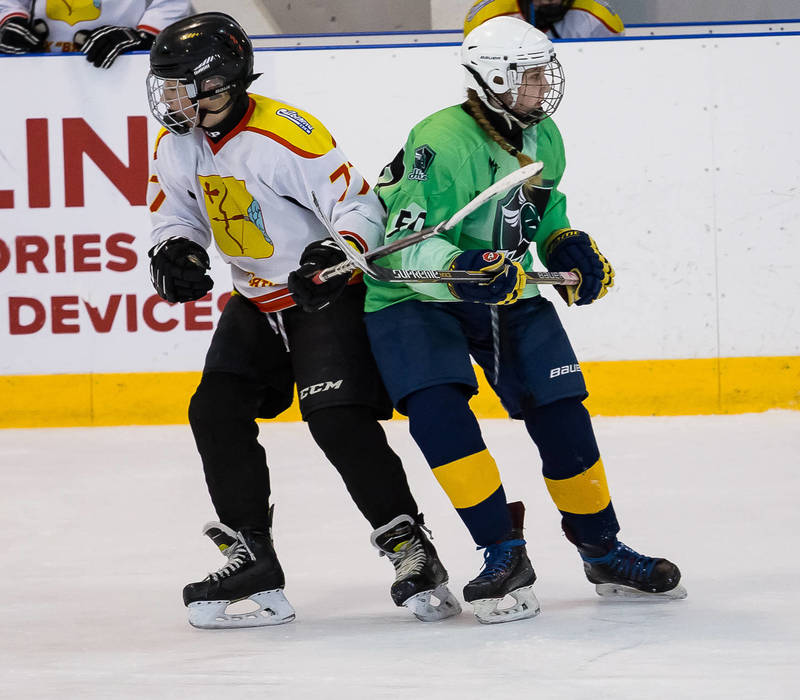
101, 30
238, 170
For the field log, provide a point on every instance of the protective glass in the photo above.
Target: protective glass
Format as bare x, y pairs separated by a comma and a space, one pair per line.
174, 103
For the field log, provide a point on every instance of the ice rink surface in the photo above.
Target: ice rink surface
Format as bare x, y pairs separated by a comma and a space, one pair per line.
101, 530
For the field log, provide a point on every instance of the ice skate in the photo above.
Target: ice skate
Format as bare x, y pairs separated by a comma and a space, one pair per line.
252, 574
420, 579
624, 573
507, 571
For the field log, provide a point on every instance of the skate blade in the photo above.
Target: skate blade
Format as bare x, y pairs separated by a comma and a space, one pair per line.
488, 613
423, 609
615, 590
273, 609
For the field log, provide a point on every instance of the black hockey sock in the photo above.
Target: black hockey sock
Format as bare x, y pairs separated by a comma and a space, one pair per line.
222, 414
354, 442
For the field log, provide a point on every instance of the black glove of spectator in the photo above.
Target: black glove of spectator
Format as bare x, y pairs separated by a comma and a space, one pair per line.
17, 36
178, 270
317, 256
104, 44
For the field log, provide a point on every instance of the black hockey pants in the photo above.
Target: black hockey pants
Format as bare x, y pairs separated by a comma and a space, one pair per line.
250, 374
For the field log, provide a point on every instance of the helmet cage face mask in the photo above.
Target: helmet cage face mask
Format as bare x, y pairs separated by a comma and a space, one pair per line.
508, 92
528, 101
174, 102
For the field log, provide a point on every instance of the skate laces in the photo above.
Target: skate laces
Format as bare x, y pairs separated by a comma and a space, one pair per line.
626, 562
497, 557
238, 555
410, 558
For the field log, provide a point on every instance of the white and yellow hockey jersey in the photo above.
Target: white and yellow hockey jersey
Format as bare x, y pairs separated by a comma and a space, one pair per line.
585, 19
588, 19
251, 194
65, 18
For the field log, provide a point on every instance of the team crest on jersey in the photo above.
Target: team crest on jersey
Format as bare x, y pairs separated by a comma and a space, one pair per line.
74, 11
236, 219
518, 216
423, 157
295, 118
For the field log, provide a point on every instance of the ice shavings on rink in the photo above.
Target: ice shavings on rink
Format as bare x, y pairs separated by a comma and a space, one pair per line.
101, 530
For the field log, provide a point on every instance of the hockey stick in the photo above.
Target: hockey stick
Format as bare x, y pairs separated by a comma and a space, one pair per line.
507, 182
385, 274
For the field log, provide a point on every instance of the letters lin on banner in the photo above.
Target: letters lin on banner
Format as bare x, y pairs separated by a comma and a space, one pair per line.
26, 257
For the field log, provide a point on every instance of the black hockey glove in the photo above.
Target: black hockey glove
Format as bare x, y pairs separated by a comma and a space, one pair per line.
504, 288
178, 270
568, 249
104, 44
17, 36
317, 256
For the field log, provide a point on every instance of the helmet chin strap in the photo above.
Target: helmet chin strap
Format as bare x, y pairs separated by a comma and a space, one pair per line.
493, 102
203, 113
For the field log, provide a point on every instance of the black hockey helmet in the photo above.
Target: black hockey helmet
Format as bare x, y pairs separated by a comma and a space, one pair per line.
203, 55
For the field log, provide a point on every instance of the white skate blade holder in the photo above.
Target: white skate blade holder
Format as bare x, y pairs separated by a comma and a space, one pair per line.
488, 610
620, 592
272, 609
424, 608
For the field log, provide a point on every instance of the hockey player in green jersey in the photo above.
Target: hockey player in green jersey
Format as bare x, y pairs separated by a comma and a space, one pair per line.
422, 335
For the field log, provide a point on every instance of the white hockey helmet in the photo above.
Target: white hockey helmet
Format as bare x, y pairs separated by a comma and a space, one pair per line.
499, 56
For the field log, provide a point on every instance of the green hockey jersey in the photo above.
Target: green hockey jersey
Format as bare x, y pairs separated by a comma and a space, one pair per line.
447, 160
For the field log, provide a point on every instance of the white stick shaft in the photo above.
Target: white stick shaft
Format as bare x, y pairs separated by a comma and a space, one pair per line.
503, 184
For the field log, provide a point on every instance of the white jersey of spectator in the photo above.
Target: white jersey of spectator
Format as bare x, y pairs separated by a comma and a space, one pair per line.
588, 19
585, 19
64, 19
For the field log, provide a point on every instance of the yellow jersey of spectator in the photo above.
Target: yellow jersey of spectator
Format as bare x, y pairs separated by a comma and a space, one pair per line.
559, 19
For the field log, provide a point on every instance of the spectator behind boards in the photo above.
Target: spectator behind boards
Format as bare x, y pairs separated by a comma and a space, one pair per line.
559, 19
100, 30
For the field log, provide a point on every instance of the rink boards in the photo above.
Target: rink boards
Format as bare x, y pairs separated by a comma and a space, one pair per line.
682, 162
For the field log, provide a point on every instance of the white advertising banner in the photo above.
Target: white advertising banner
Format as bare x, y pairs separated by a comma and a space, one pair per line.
682, 161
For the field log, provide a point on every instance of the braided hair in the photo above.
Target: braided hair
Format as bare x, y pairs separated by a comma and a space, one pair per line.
478, 112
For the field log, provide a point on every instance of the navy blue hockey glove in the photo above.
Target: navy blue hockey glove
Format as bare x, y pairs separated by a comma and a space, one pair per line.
317, 256
505, 287
104, 44
17, 36
571, 250
178, 270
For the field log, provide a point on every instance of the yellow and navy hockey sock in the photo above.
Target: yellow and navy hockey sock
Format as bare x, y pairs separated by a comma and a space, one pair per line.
448, 434
573, 470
